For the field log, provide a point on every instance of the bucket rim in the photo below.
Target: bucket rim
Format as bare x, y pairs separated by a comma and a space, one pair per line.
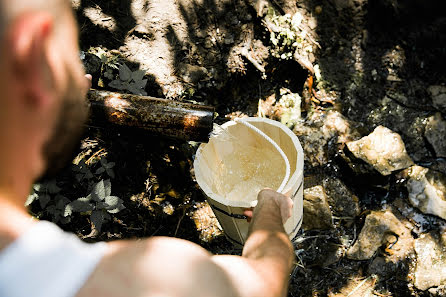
295, 176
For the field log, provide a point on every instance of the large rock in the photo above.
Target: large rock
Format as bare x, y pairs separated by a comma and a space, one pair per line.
317, 213
382, 228
430, 270
343, 202
435, 134
427, 190
438, 94
383, 149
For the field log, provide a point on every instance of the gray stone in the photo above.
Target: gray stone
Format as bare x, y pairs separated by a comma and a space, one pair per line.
382, 228
427, 190
229, 39
192, 73
430, 270
383, 149
438, 94
317, 213
435, 134
344, 203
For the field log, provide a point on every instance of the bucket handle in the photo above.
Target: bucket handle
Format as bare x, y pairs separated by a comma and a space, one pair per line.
267, 138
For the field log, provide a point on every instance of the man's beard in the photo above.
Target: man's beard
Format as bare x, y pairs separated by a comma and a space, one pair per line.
59, 150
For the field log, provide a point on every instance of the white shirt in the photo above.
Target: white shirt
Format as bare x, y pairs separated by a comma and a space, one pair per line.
47, 262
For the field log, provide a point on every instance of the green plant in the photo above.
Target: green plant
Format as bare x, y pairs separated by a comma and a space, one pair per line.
130, 81
57, 210
109, 63
42, 193
82, 171
106, 167
99, 204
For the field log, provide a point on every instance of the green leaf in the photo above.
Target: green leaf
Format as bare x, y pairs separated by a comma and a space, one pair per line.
117, 209
31, 198
107, 186
61, 202
100, 170
125, 74
110, 172
99, 190
109, 165
36, 187
68, 211
98, 217
117, 84
52, 187
44, 199
65, 220
138, 75
141, 84
81, 205
112, 202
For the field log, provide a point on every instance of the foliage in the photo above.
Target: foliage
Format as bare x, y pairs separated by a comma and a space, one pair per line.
109, 63
82, 171
130, 80
106, 167
42, 193
99, 203
286, 34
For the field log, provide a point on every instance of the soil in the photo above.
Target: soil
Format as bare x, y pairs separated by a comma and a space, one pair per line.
196, 51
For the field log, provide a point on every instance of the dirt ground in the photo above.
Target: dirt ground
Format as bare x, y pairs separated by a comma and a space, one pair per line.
220, 53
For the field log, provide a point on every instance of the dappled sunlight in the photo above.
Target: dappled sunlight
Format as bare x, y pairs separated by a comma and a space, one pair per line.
100, 19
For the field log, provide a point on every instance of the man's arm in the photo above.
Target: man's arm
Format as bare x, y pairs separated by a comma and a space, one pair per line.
268, 254
167, 267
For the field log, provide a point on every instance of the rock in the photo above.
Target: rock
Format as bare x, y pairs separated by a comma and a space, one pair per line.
383, 149
435, 134
206, 222
439, 291
192, 73
438, 94
427, 190
321, 134
317, 213
382, 228
314, 144
288, 108
343, 202
430, 269
335, 124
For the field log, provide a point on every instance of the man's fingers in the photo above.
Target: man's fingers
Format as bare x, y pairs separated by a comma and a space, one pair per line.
89, 78
248, 212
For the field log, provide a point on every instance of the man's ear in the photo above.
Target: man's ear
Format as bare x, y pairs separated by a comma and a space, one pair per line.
28, 41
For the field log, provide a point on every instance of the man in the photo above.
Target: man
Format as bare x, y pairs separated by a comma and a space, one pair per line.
42, 108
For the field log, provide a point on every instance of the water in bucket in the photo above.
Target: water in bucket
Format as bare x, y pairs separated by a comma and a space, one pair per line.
248, 170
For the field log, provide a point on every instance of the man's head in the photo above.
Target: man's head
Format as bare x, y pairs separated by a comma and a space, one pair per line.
42, 85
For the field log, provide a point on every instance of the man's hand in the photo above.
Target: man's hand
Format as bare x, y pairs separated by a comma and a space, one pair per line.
267, 199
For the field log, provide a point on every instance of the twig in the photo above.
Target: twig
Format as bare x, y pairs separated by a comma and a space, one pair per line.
179, 222
256, 64
94, 155
360, 285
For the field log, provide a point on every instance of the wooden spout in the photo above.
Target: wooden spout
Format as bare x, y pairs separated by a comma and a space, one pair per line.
170, 118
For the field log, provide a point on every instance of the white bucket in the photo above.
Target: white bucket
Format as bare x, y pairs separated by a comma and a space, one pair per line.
209, 157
